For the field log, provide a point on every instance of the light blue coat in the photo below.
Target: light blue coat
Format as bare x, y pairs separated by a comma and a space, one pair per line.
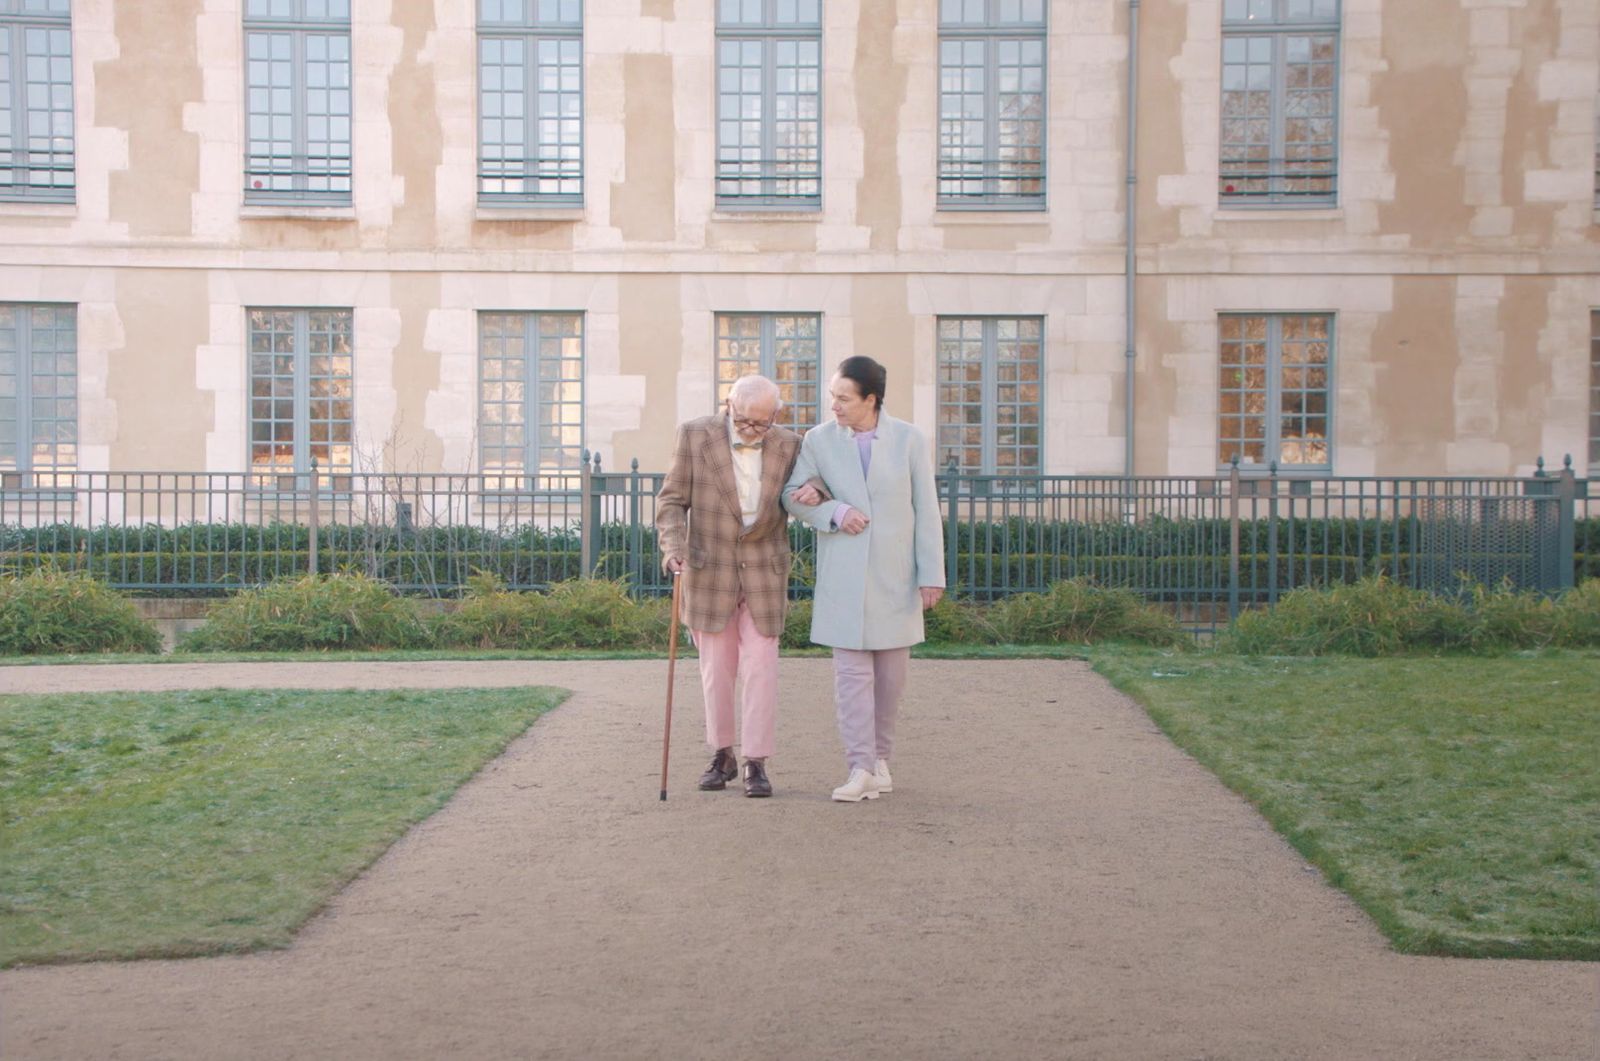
866, 593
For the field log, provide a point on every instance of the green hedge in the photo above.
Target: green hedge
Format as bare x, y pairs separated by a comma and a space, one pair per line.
517, 566
1155, 555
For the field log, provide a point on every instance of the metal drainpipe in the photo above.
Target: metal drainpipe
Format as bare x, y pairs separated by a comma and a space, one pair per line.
1130, 267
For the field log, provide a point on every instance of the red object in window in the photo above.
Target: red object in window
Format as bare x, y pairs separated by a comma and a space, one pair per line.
257, 184
1228, 189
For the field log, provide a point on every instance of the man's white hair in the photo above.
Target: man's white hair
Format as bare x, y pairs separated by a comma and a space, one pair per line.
753, 388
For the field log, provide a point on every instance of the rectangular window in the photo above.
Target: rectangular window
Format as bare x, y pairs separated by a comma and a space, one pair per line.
1280, 94
769, 104
36, 137
38, 395
530, 396
991, 394
297, 107
1273, 408
786, 348
992, 104
1594, 391
302, 395
530, 102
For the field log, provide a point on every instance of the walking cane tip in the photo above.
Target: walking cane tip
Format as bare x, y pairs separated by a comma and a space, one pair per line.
663, 795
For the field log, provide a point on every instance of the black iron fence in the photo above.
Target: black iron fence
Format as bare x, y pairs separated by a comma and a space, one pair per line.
1204, 546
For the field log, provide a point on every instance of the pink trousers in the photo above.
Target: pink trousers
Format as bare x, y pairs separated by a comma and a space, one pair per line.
739, 646
866, 696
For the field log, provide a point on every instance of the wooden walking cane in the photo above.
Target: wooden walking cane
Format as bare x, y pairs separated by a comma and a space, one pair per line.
672, 665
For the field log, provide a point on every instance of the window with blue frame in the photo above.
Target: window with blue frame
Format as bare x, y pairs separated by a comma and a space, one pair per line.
530, 102
297, 102
37, 147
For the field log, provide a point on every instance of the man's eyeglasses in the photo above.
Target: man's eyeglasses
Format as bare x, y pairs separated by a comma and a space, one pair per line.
750, 425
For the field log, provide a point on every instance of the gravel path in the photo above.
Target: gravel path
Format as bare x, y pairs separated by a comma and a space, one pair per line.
1050, 878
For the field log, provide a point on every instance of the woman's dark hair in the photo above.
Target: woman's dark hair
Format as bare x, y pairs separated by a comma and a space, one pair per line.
869, 377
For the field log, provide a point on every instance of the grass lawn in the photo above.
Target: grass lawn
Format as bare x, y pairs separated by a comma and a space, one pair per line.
173, 824
1456, 799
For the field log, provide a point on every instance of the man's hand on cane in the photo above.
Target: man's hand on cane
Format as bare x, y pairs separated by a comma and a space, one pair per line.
674, 565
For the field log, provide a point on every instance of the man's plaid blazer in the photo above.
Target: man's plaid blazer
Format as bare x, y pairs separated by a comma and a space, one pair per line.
698, 518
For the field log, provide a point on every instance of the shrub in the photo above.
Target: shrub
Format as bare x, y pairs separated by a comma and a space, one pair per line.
310, 612
490, 617
1376, 617
1577, 617
50, 611
597, 613
1505, 618
796, 625
1371, 617
578, 614
951, 622
1076, 610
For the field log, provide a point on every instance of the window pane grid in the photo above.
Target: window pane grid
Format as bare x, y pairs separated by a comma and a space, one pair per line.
530, 14
1273, 390
330, 394
298, 102
37, 139
769, 14
38, 394
991, 113
530, 407
297, 11
530, 103
960, 14
1255, 13
302, 395
769, 120
786, 348
990, 394
1278, 140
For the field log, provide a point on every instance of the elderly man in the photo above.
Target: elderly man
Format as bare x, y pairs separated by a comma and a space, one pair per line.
723, 530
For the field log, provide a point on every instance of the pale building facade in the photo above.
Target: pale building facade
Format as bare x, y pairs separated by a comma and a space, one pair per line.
486, 235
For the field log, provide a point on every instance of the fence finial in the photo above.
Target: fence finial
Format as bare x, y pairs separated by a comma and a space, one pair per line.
1235, 459
634, 465
597, 462
1538, 467
1566, 463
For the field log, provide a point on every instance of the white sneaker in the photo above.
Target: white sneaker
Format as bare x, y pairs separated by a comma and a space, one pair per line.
881, 775
862, 785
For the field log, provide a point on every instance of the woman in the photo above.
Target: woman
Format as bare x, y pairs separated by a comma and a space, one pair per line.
880, 561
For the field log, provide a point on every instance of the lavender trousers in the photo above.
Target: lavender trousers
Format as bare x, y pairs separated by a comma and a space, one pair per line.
866, 693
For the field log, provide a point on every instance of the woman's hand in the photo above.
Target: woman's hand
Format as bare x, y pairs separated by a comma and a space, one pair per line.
854, 522
807, 495
930, 595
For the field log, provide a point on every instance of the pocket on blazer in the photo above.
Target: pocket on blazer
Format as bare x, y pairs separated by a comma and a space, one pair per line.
780, 565
697, 557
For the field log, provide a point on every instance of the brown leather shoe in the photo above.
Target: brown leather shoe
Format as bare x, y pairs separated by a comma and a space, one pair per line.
724, 768
755, 778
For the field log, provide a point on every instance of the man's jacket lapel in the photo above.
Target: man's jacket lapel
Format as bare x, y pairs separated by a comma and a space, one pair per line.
718, 460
